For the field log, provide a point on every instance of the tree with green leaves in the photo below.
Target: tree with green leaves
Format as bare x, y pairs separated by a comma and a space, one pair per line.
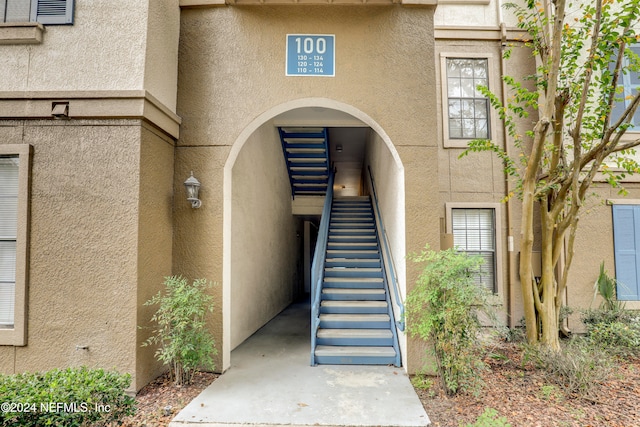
583, 50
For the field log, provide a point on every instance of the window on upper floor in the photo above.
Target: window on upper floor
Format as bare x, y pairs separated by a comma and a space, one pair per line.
14, 213
628, 86
466, 111
48, 12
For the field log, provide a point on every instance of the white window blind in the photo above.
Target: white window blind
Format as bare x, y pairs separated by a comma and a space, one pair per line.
15, 10
8, 236
474, 233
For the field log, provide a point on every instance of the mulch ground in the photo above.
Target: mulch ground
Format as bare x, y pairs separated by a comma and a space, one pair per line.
159, 401
516, 390
526, 397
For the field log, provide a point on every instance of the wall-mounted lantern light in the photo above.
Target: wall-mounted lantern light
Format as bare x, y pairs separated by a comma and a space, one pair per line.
193, 186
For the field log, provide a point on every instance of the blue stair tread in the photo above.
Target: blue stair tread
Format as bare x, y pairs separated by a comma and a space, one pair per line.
345, 294
354, 351
359, 282
357, 304
354, 333
355, 318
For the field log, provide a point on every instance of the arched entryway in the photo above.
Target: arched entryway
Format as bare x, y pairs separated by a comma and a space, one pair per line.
263, 232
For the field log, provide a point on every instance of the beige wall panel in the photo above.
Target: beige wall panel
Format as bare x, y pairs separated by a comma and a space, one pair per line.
7, 359
388, 176
594, 244
161, 62
154, 242
421, 219
103, 50
462, 14
473, 173
232, 67
84, 207
197, 248
264, 246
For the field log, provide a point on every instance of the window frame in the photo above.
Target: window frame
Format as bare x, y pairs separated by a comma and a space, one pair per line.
17, 336
497, 218
634, 301
628, 89
449, 142
45, 19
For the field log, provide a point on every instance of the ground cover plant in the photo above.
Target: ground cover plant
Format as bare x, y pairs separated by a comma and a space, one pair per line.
73, 397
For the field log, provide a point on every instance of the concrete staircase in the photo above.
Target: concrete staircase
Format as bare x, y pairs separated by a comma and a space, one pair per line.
355, 316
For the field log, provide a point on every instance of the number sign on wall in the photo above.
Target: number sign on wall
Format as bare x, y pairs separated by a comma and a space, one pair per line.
310, 55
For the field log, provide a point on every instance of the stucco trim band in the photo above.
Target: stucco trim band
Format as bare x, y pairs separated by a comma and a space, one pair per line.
480, 33
210, 3
126, 104
21, 33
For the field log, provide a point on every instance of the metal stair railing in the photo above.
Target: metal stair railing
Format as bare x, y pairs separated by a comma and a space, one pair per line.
317, 267
388, 257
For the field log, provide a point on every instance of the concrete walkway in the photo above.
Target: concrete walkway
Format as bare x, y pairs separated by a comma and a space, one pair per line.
270, 383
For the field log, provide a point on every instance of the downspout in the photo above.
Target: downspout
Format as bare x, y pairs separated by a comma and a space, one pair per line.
511, 264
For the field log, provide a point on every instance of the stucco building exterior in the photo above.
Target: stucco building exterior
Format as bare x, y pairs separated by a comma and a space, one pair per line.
106, 107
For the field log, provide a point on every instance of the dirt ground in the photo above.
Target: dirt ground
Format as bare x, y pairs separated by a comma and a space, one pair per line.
527, 398
516, 390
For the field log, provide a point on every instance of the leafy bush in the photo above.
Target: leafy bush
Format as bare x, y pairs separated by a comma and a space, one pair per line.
619, 338
68, 398
185, 345
442, 309
577, 369
489, 418
605, 286
611, 327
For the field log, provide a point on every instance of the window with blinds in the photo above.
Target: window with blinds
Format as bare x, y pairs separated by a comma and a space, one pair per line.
474, 232
8, 238
48, 12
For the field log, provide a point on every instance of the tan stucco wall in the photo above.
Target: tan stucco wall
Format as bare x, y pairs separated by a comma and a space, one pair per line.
155, 240
103, 50
594, 244
197, 244
161, 60
115, 45
85, 247
231, 70
265, 238
388, 178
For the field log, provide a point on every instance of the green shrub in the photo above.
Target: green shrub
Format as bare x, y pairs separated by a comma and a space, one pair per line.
442, 309
577, 369
68, 398
185, 345
599, 316
489, 418
616, 337
605, 286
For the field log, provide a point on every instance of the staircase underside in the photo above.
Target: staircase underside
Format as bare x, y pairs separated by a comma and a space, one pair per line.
306, 153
